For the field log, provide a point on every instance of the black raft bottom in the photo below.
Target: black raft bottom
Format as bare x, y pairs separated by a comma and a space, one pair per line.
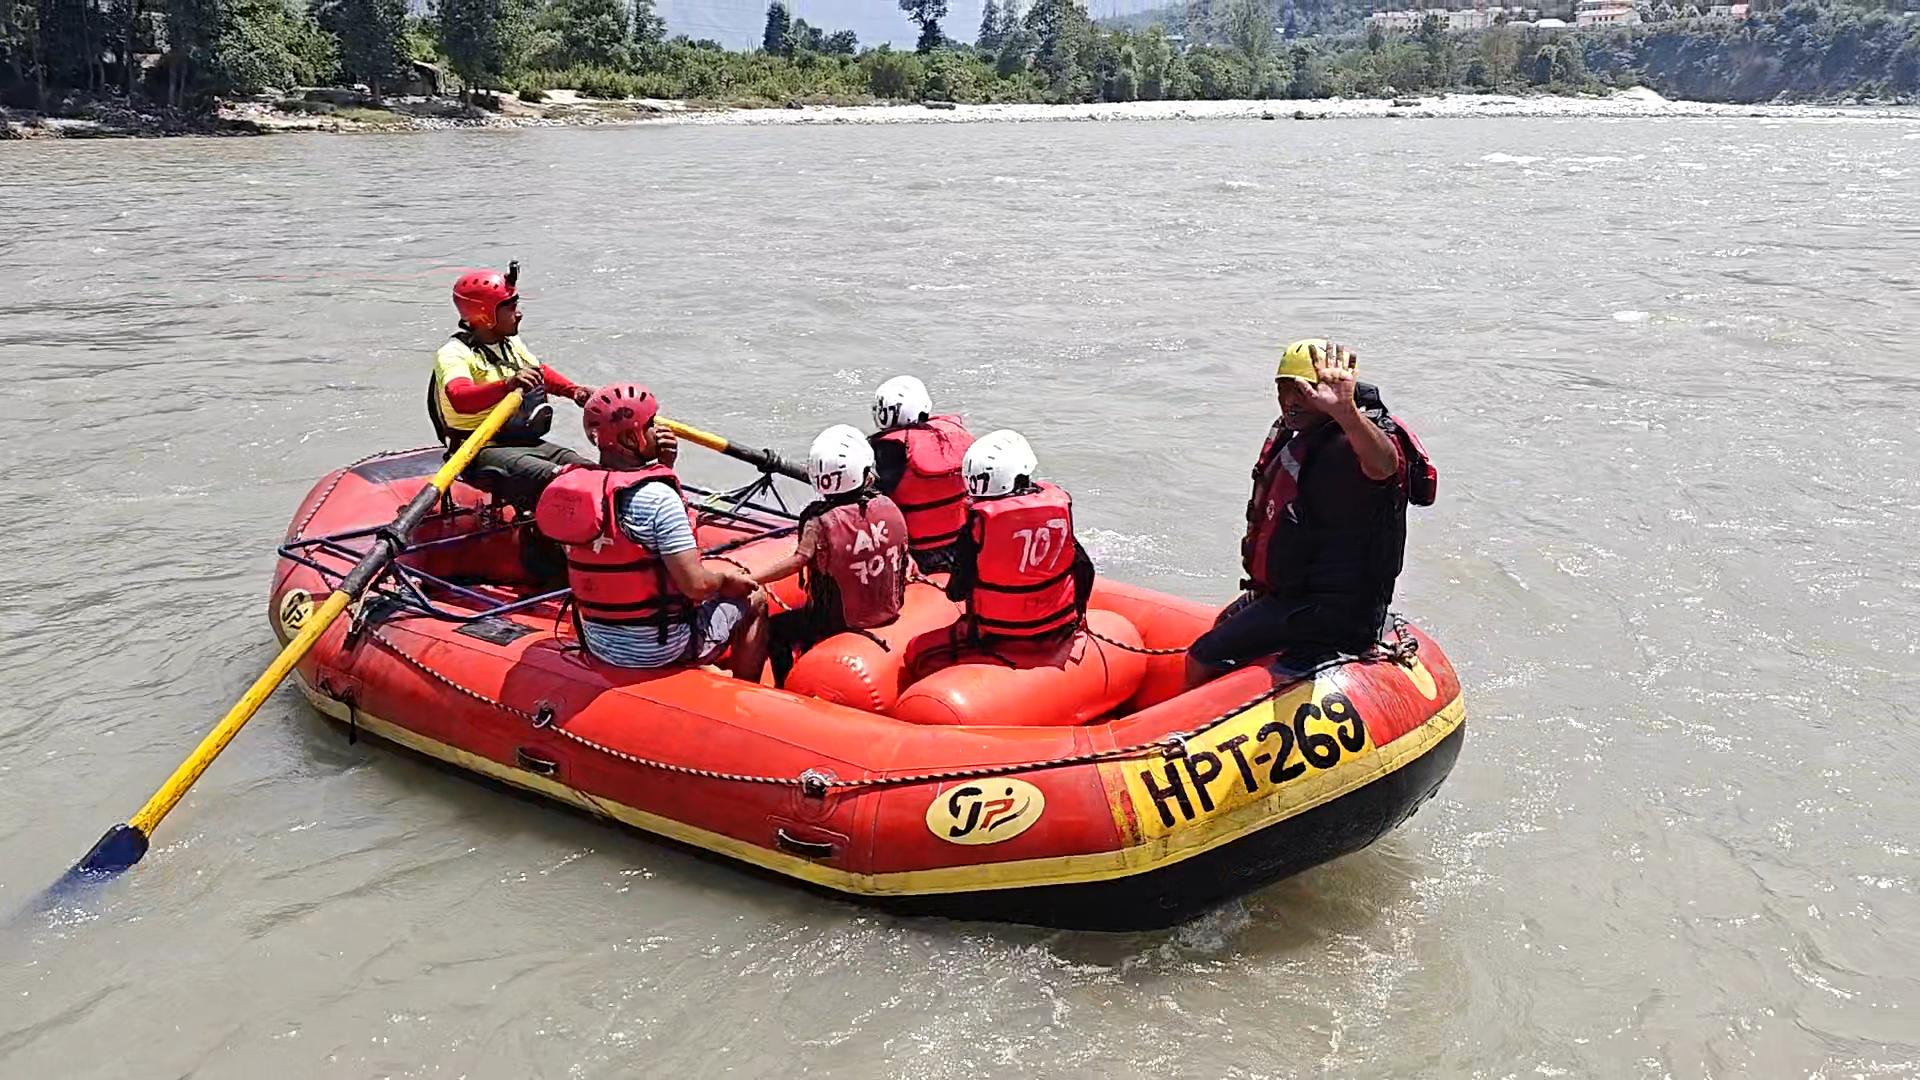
1178, 892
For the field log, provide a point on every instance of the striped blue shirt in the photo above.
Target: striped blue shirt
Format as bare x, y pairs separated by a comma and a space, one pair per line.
655, 517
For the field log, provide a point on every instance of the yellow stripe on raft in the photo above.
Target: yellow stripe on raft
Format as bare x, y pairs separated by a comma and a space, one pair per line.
1182, 843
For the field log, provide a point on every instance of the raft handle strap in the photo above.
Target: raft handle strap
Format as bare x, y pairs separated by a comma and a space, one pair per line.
534, 763
345, 697
793, 845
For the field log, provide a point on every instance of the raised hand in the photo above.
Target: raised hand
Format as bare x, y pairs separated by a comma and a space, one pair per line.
1336, 367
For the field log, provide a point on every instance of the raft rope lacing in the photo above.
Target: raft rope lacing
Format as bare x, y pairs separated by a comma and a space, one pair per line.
816, 783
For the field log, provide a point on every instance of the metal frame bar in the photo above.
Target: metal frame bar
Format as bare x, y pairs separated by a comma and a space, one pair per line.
414, 584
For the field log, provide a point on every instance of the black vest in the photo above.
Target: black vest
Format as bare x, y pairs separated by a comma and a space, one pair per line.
1349, 565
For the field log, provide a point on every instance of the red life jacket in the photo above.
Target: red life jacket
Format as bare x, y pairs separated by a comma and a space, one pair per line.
1024, 578
1276, 483
1423, 480
932, 493
614, 579
860, 563
1272, 513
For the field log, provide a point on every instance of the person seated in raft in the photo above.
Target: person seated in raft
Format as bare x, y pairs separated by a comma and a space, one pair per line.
917, 456
478, 365
1017, 567
1327, 523
852, 552
642, 597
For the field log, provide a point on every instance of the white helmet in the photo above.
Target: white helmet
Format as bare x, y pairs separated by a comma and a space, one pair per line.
839, 460
996, 462
900, 401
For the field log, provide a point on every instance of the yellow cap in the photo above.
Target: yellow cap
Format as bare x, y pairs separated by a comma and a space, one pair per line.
1297, 361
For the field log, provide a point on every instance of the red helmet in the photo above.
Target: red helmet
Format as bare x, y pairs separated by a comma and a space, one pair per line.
616, 409
478, 294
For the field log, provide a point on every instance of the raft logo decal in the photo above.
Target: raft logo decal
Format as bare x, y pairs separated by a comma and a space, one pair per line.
1296, 739
294, 609
985, 811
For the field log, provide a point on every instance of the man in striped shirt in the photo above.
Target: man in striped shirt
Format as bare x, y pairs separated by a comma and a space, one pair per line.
644, 597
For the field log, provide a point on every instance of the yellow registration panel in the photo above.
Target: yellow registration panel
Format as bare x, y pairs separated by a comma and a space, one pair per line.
1282, 744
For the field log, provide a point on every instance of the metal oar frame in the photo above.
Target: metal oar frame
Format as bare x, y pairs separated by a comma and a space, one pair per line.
403, 588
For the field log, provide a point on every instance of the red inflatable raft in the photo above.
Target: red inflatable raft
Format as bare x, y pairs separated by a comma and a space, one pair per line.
1080, 788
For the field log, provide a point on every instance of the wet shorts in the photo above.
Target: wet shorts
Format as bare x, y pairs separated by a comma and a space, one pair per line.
714, 622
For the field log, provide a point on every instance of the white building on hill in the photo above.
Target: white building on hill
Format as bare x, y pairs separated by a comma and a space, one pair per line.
1475, 18
1606, 13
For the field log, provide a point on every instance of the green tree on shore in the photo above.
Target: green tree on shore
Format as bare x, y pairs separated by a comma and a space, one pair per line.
649, 29
989, 38
777, 38
485, 40
585, 32
373, 39
1060, 29
1010, 20
1250, 28
1156, 58
926, 14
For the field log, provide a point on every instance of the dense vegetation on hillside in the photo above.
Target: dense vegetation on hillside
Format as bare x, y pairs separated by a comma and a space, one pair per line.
1805, 50
184, 53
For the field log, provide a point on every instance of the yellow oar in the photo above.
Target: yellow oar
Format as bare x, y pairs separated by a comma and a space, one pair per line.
764, 460
124, 845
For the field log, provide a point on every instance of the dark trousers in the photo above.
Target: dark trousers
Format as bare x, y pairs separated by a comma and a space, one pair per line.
793, 632
1303, 632
519, 474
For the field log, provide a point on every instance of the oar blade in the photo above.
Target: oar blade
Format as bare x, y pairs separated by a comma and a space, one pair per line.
126, 844
120, 848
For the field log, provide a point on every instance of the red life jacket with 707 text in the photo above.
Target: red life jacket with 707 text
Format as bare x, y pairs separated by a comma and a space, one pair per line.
862, 551
1024, 578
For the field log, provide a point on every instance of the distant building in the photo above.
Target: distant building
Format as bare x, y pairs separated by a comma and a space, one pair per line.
1606, 13
1470, 19
1404, 22
1728, 11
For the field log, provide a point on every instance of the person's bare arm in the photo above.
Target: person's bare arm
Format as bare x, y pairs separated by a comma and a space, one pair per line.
695, 581
795, 562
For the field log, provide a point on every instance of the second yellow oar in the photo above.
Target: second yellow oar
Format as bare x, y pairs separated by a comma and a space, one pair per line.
125, 845
764, 460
